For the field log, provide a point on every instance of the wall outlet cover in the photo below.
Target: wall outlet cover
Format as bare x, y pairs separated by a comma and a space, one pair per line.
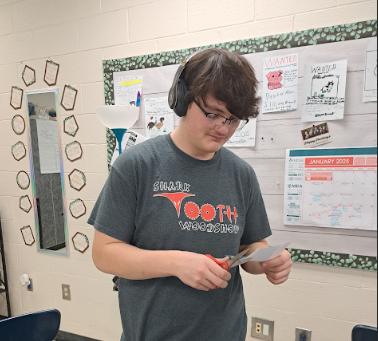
302, 334
66, 292
262, 329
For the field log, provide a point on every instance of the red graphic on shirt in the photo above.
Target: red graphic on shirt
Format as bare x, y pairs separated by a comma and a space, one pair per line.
192, 210
176, 199
208, 212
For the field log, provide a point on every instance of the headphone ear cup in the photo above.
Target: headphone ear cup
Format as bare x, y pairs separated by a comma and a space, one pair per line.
181, 106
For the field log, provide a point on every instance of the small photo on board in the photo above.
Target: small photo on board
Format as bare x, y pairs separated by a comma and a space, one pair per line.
316, 135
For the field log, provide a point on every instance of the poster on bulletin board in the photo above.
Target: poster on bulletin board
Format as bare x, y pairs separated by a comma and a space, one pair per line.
334, 188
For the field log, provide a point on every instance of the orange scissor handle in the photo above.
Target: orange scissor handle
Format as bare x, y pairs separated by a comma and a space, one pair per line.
223, 265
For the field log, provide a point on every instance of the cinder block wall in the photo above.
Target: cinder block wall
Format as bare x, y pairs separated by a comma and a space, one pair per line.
79, 34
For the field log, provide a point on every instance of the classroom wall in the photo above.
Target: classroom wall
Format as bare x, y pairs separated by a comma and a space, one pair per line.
79, 34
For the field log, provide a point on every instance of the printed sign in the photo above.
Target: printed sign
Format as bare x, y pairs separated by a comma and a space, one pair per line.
316, 135
70, 126
74, 151
51, 72
80, 242
331, 188
77, 179
69, 98
28, 75
23, 180
28, 236
18, 124
25, 203
77, 208
324, 91
19, 151
280, 84
16, 97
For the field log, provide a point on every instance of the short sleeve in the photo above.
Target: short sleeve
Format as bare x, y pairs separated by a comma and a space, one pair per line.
257, 225
115, 209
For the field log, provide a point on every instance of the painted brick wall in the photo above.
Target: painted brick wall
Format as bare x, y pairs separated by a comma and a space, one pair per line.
79, 34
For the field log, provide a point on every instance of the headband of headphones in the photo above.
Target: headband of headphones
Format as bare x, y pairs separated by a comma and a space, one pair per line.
176, 97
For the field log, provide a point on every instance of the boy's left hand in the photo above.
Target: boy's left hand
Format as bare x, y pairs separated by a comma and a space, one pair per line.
277, 270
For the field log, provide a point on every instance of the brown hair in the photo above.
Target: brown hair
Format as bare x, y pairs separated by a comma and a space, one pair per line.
226, 76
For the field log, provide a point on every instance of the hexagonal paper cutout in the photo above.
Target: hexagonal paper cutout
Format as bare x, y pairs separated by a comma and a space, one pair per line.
28, 75
77, 208
77, 179
80, 242
74, 151
25, 203
70, 126
18, 151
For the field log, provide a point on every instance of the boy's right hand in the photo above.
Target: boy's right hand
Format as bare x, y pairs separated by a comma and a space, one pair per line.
200, 272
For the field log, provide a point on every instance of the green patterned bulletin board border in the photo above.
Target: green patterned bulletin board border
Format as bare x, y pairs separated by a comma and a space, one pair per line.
325, 35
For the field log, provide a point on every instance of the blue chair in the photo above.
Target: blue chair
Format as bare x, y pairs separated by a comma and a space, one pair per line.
38, 326
364, 333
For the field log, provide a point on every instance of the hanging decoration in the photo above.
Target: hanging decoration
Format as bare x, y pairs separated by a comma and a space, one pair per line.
25, 203
70, 126
77, 179
51, 73
23, 180
28, 236
16, 97
80, 242
18, 151
69, 98
28, 76
74, 151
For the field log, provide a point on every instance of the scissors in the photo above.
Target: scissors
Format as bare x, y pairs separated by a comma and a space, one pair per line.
230, 263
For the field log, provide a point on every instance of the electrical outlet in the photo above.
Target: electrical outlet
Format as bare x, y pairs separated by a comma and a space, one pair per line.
30, 285
258, 328
66, 291
262, 329
302, 334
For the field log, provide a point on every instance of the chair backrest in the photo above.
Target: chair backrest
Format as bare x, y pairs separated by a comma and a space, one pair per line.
38, 326
364, 333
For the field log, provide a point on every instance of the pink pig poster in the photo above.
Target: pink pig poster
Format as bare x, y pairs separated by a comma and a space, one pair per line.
280, 83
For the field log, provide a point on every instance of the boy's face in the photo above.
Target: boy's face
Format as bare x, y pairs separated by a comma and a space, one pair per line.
203, 136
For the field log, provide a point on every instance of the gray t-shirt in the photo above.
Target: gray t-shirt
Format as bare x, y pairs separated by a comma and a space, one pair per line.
159, 198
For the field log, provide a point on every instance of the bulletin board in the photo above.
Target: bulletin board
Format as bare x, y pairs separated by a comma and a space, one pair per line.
278, 132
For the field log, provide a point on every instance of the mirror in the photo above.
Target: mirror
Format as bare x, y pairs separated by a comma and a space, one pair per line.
47, 176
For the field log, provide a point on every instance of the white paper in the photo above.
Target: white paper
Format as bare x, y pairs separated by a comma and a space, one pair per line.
130, 138
245, 137
159, 117
324, 91
370, 83
126, 89
263, 255
334, 188
280, 84
48, 144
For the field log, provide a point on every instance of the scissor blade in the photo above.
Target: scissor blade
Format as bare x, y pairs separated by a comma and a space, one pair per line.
233, 260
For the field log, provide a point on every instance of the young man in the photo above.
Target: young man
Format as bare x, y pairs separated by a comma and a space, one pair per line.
173, 199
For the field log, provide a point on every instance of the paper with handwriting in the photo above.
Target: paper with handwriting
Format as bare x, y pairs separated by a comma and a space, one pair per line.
324, 91
280, 84
126, 89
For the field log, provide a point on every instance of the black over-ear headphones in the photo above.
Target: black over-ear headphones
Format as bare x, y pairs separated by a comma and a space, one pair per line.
176, 96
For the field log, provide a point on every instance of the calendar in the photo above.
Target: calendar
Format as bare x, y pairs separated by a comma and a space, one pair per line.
334, 188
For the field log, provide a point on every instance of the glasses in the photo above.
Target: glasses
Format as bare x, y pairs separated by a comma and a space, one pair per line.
219, 120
